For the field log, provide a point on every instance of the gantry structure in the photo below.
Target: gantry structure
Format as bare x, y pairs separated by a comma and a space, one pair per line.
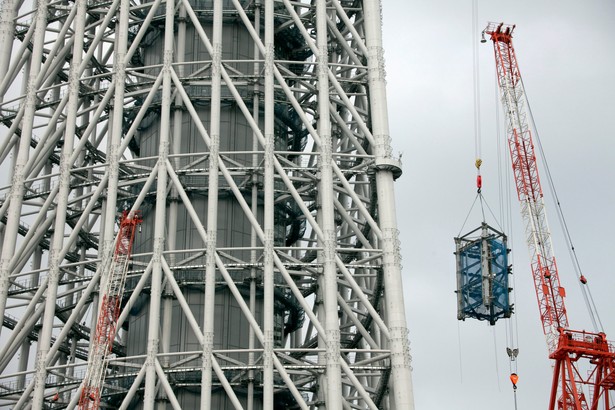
252, 138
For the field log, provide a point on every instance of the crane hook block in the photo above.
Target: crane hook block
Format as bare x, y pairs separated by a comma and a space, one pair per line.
482, 275
479, 182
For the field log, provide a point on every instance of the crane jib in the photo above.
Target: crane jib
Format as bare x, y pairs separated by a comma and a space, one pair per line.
112, 289
567, 347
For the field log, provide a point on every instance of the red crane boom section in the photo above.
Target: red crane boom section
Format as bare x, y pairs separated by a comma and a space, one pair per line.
549, 292
567, 347
111, 291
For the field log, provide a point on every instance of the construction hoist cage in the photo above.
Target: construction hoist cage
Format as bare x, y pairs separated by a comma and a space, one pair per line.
482, 275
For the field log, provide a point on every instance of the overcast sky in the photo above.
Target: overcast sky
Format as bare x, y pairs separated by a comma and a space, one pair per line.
566, 55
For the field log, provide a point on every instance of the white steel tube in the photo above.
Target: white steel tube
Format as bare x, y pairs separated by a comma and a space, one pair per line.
18, 336
268, 241
61, 207
212, 211
361, 295
167, 308
183, 303
229, 281
341, 13
133, 389
160, 213
328, 241
254, 209
225, 384
22, 366
18, 183
166, 386
357, 384
135, 294
401, 380
7, 27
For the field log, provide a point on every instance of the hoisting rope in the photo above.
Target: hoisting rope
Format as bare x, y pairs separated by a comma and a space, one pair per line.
476, 80
479, 183
477, 120
483, 204
504, 187
477, 123
587, 296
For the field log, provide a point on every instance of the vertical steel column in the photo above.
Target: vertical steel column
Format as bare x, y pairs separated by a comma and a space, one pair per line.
15, 198
212, 210
55, 257
167, 313
34, 277
160, 214
116, 118
22, 365
327, 216
8, 12
401, 380
7, 32
268, 222
254, 206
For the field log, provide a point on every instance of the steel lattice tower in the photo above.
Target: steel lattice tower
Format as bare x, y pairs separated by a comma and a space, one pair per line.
252, 135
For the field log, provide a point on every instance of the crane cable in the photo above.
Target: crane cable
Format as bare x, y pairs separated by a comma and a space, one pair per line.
477, 136
512, 329
505, 198
585, 290
477, 122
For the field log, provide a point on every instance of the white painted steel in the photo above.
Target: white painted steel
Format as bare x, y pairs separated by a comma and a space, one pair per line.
152, 347
402, 396
16, 193
253, 137
268, 218
254, 209
328, 242
7, 27
61, 208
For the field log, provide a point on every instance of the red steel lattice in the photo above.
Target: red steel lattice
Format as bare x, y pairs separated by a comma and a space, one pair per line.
567, 347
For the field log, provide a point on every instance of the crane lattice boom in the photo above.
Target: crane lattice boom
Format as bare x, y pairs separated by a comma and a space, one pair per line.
111, 292
544, 269
565, 346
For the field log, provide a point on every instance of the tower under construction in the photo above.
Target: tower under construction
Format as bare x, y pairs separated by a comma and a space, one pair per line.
251, 139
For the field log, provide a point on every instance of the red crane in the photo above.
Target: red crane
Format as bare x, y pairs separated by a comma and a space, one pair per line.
111, 290
584, 369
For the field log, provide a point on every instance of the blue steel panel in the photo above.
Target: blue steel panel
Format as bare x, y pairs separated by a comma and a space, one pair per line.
471, 282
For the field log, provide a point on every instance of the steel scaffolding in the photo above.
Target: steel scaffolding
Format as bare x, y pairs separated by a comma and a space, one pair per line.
252, 135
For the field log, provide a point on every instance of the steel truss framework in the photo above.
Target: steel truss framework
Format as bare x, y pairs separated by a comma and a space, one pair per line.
584, 369
99, 99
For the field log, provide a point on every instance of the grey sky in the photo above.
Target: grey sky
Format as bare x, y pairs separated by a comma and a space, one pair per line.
566, 56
